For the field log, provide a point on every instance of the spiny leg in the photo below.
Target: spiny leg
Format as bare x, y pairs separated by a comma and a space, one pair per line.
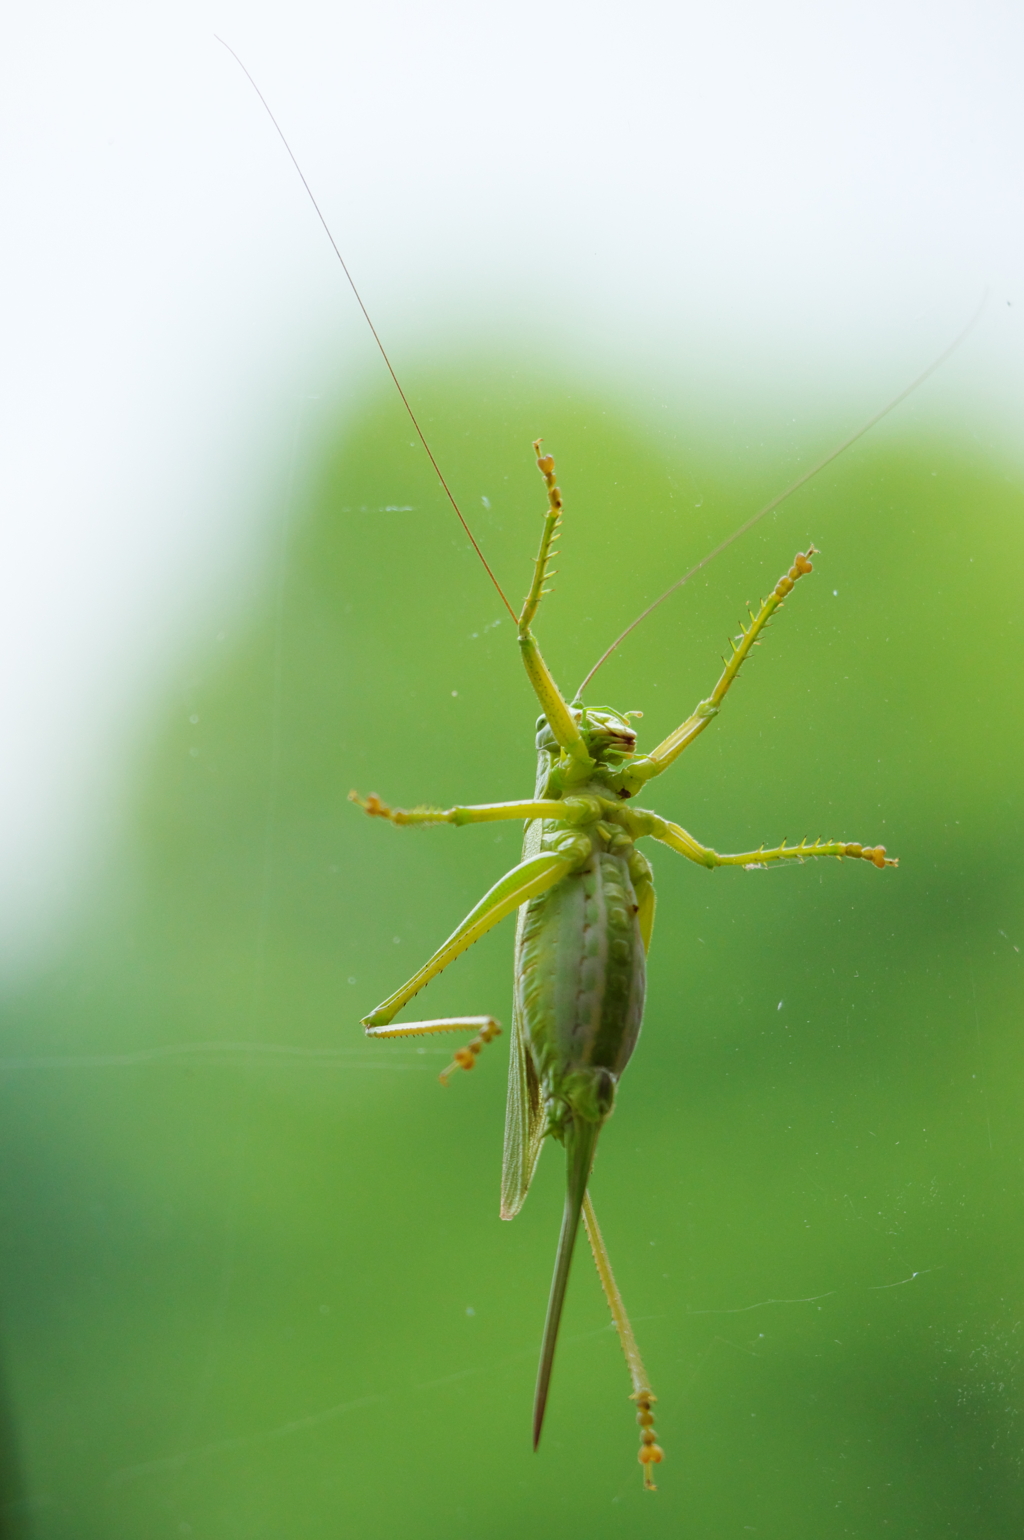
668, 751
548, 540
464, 1058
651, 1452
559, 718
641, 823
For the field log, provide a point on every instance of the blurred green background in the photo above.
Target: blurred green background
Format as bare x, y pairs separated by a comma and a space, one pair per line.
254, 1281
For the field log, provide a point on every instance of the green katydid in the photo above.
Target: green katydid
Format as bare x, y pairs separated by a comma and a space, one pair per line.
585, 900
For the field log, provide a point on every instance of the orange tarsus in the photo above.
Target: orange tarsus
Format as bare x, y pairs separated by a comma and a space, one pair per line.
651, 1452
465, 1058
875, 854
801, 566
378, 809
371, 804
546, 466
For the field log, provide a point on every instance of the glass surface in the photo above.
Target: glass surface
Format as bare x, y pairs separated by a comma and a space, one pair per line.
254, 1280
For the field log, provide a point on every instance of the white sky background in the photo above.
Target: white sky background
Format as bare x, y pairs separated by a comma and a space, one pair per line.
787, 208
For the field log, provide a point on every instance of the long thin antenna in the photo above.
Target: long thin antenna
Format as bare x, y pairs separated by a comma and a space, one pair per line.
359, 300
793, 486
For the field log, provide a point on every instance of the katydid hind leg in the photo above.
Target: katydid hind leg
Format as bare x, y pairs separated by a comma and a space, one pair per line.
487, 1029
531, 877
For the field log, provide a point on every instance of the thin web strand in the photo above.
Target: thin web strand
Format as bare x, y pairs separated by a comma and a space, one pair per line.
793, 487
383, 353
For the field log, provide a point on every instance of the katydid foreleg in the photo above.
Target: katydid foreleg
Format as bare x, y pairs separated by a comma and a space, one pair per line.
659, 759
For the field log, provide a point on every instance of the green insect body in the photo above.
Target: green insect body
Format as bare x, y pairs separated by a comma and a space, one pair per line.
585, 900
580, 976
580, 983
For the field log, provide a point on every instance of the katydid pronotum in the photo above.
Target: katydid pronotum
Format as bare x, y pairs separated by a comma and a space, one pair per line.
585, 900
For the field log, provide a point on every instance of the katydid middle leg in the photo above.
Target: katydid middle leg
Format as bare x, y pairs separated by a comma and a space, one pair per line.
677, 838
481, 812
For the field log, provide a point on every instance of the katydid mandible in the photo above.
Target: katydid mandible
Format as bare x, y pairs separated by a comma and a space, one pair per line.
585, 900
584, 894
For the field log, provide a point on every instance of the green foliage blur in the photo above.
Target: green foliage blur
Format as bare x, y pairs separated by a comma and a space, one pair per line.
254, 1281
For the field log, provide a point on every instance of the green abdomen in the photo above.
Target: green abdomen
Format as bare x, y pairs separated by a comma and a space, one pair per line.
580, 981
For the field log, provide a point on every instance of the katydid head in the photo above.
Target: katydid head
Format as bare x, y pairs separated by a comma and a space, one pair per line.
607, 733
